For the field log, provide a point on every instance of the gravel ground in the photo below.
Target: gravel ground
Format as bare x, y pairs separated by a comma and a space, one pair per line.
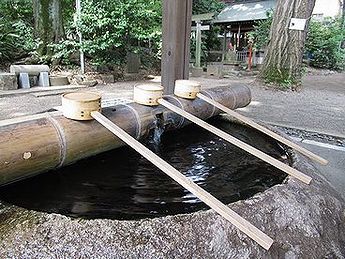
319, 106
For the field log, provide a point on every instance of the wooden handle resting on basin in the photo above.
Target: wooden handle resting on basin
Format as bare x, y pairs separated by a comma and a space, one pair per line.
268, 132
239, 222
248, 148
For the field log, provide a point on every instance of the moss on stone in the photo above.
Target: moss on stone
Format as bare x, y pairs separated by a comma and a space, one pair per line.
280, 77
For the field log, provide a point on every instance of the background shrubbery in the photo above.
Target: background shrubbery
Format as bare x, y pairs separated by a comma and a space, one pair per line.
111, 29
323, 45
16, 30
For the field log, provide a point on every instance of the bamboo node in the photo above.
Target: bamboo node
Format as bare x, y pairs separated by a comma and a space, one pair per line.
27, 155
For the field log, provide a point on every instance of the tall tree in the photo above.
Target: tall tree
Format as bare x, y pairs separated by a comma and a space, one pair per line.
283, 61
48, 23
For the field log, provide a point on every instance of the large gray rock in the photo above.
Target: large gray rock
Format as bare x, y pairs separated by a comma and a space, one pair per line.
306, 221
8, 81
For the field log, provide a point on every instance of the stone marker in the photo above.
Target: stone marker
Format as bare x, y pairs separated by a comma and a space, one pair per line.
8, 81
43, 79
24, 81
133, 62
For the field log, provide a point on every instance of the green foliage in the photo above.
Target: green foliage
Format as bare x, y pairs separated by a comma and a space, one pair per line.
280, 78
16, 38
8, 40
207, 6
16, 10
110, 28
261, 31
323, 44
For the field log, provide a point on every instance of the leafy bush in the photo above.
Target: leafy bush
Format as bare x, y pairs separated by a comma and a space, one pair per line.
112, 28
207, 6
323, 44
16, 32
15, 40
8, 40
261, 31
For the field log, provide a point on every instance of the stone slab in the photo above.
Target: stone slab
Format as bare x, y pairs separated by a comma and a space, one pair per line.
32, 70
133, 63
108, 79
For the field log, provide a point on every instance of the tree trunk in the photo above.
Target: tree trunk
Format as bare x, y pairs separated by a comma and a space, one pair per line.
283, 60
48, 24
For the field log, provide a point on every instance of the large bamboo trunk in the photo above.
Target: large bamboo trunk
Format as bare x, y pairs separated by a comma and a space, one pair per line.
29, 147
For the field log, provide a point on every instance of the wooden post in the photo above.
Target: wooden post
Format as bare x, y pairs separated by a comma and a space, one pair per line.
198, 45
198, 29
177, 19
250, 57
224, 44
82, 59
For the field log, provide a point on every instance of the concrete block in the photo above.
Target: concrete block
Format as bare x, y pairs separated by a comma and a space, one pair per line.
214, 70
58, 80
8, 81
196, 71
131, 76
43, 79
24, 81
108, 79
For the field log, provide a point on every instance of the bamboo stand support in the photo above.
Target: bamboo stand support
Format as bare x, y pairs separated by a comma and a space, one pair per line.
239, 222
276, 163
264, 130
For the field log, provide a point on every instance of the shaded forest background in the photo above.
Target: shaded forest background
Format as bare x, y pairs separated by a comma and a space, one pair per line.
112, 29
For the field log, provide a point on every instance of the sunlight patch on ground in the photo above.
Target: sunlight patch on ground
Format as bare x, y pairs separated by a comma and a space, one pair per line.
248, 108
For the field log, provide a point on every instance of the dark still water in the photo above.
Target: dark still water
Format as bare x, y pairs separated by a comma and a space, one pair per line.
122, 185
